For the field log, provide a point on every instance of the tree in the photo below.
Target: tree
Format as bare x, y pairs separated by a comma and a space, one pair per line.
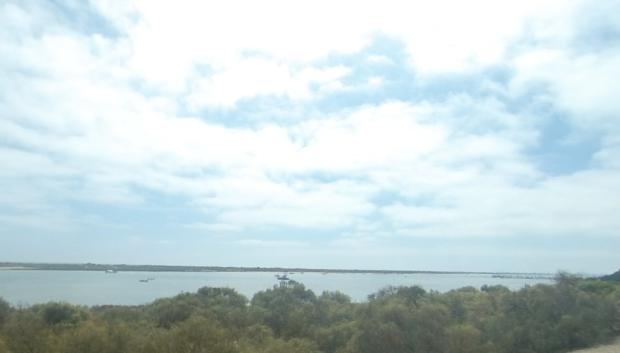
96, 338
168, 312
464, 339
55, 313
411, 295
26, 333
614, 277
198, 335
430, 322
288, 309
5, 310
3, 348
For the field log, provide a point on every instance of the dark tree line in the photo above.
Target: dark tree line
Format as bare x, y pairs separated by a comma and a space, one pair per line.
289, 318
614, 277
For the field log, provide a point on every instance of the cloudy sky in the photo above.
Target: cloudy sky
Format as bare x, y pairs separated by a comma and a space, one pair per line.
443, 135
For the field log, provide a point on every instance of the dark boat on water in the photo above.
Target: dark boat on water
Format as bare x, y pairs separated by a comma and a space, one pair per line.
283, 277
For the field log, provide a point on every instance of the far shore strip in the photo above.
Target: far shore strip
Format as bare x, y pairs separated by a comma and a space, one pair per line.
14, 268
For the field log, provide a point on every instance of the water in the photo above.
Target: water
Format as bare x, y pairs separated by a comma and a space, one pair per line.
24, 287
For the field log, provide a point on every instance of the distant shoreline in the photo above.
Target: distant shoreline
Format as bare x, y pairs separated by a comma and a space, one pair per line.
7, 268
171, 268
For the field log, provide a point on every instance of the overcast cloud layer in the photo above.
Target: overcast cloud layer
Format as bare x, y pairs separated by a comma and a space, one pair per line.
478, 135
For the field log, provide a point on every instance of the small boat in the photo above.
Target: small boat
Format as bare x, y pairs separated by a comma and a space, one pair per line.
110, 271
283, 277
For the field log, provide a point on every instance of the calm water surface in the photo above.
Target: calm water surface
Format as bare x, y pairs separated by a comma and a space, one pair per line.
24, 287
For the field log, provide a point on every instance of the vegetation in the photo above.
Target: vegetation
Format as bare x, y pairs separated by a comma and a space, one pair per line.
289, 318
615, 277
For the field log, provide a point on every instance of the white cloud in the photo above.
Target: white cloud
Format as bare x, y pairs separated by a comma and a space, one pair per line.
575, 205
582, 84
97, 118
259, 201
379, 59
169, 45
249, 78
215, 228
271, 244
370, 137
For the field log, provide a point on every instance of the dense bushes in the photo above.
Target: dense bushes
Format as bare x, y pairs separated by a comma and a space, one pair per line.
4, 311
288, 318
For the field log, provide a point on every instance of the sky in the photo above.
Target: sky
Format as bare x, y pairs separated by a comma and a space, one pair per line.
416, 135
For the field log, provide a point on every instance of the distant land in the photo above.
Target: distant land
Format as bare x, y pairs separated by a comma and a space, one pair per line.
169, 268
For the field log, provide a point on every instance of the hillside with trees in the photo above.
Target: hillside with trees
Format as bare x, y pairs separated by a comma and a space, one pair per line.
288, 318
614, 277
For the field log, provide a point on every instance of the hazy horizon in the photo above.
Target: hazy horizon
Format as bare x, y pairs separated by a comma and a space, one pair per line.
262, 269
452, 136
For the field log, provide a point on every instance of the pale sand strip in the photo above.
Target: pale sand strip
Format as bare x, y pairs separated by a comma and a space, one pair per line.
14, 268
610, 348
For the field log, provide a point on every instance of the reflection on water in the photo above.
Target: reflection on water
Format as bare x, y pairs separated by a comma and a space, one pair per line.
98, 288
